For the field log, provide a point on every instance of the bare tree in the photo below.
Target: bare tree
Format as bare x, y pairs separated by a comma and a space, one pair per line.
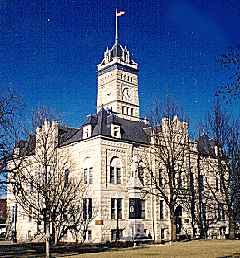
42, 113
231, 62
10, 131
225, 190
166, 166
47, 189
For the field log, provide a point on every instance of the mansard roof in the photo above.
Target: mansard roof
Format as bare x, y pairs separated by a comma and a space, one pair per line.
206, 146
26, 147
133, 131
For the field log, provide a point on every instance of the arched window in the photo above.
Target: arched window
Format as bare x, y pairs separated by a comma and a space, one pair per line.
88, 171
115, 171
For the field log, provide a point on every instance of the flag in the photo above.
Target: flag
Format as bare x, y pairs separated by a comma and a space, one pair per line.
120, 13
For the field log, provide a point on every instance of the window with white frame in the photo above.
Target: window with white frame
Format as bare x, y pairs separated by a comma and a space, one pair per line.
114, 234
162, 233
136, 208
115, 171
66, 177
87, 208
115, 131
221, 211
87, 131
88, 171
141, 173
88, 236
116, 208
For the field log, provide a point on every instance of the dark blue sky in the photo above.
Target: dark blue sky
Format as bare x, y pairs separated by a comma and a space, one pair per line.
49, 50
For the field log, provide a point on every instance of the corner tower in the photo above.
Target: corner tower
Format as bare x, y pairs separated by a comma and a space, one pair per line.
118, 83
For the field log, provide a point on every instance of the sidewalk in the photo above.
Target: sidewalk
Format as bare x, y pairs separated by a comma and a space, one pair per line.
5, 242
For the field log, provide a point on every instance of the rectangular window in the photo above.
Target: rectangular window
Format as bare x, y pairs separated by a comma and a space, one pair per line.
86, 133
221, 183
116, 208
66, 177
180, 181
113, 209
119, 208
30, 215
29, 235
118, 175
114, 234
160, 177
115, 175
85, 171
161, 209
142, 209
87, 208
221, 212
162, 233
90, 175
112, 177
136, 208
89, 235
87, 129
115, 131
201, 183
141, 174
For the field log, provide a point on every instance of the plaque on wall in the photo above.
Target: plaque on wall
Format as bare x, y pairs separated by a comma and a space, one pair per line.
99, 222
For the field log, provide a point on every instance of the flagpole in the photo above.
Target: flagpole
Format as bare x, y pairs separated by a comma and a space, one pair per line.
116, 31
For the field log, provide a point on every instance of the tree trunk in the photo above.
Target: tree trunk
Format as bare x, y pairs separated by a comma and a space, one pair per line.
192, 204
47, 241
201, 220
173, 232
55, 237
231, 226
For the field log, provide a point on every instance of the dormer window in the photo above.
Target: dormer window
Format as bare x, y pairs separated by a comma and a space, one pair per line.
115, 131
87, 131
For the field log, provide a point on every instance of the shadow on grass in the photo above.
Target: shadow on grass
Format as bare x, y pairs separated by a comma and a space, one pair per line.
38, 249
234, 255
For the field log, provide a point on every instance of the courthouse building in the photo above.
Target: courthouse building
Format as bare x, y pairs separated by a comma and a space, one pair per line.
106, 151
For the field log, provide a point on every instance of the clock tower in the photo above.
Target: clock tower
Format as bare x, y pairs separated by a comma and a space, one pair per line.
118, 83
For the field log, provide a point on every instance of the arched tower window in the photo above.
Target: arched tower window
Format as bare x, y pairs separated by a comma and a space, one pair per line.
115, 171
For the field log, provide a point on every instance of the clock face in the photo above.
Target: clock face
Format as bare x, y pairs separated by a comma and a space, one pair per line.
126, 94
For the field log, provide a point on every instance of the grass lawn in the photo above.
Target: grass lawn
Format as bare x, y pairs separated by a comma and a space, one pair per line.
193, 249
